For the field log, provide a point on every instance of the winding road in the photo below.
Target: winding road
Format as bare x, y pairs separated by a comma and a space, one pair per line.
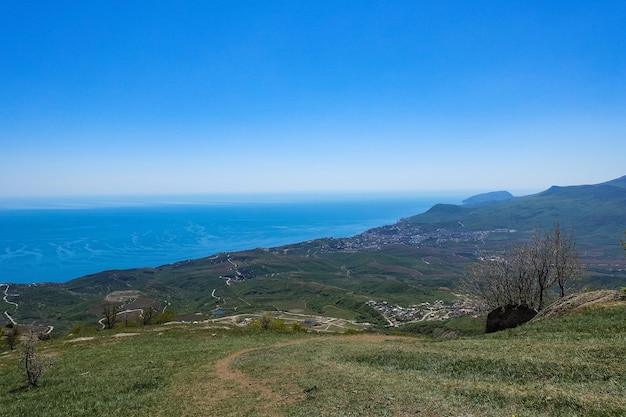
140, 310
5, 298
6, 294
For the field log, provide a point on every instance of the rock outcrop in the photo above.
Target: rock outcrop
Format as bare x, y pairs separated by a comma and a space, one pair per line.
508, 317
582, 300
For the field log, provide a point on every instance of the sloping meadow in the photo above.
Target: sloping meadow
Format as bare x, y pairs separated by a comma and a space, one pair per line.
567, 366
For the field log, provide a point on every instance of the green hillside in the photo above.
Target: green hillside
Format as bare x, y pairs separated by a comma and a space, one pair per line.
417, 260
329, 283
596, 213
567, 366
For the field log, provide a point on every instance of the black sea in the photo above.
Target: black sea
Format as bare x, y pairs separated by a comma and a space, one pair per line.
58, 240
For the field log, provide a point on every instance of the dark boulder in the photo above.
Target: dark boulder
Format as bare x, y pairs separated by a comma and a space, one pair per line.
508, 317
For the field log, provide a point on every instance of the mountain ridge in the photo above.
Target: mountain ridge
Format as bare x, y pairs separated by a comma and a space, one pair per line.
587, 209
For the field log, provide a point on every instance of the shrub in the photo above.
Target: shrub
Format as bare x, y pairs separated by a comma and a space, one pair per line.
31, 363
77, 328
11, 335
299, 328
164, 317
268, 322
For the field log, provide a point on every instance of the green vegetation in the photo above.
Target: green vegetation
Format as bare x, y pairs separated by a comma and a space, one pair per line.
595, 212
419, 259
567, 366
277, 324
144, 365
11, 335
332, 284
449, 329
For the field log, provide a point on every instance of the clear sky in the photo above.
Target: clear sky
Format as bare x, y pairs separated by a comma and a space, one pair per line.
156, 97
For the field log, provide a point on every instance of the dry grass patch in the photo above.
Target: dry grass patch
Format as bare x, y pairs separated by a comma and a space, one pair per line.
125, 334
80, 339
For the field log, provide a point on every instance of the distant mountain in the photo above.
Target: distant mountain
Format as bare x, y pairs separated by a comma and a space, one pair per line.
488, 197
595, 213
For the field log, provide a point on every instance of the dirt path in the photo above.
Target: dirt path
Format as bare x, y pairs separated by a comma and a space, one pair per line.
226, 373
272, 400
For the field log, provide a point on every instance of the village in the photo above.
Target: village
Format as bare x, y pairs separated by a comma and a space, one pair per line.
438, 310
400, 233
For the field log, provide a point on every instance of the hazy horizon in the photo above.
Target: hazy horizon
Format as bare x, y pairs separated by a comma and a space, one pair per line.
64, 241
130, 200
111, 98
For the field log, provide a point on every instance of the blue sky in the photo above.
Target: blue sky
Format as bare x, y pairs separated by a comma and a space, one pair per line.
117, 97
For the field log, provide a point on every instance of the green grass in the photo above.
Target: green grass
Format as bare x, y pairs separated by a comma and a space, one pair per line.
526, 372
109, 375
570, 366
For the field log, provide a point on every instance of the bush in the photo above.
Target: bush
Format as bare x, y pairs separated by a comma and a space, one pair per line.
164, 317
268, 322
11, 335
77, 328
299, 328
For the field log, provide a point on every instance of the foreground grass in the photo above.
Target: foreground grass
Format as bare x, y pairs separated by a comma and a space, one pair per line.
140, 374
571, 366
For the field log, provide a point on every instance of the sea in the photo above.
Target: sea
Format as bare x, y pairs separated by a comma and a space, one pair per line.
56, 240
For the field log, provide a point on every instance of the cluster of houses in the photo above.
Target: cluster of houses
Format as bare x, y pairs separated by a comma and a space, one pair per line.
401, 233
408, 234
438, 310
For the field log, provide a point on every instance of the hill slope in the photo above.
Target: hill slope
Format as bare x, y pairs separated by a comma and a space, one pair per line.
209, 370
418, 259
597, 213
488, 197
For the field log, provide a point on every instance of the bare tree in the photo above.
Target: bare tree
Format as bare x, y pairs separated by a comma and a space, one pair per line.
147, 315
489, 279
521, 279
540, 256
503, 278
566, 265
109, 310
524, 275
31, 363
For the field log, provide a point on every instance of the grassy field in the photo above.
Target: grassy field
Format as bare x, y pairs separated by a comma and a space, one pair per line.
568, 366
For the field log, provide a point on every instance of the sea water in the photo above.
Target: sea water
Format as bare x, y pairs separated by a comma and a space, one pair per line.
56, 241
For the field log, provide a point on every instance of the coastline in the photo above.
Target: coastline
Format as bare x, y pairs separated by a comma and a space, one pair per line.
57, 245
